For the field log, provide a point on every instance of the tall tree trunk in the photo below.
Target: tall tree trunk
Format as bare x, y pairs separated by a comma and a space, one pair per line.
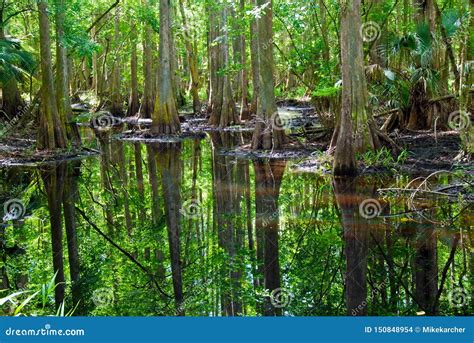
53, 178
116, 98
140, 184
95, 65
227, 175
133, 102
224, 111
324, 29
174, 64
213, 53
426, 268
156, 213
356, 128
355, 246
268, 177
169, 161
146, 109
52, 133
165, 114
267, 134
62, 77
192, 61
254, 49
70, 196
242, 59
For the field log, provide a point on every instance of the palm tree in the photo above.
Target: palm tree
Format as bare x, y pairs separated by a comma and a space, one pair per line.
15, 65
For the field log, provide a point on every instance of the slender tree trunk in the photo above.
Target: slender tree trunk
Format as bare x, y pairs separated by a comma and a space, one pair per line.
116, 106
134, 102
95, 66
53, 178
156, 212
147, 104
212, 56
174, 64
268, 134
140, 184
324, 29
70, 196
62, 77
254, 50
244, 101
192, 61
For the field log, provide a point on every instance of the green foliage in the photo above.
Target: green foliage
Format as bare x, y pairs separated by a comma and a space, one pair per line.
29, 303
15, 62
327, 92
383, 158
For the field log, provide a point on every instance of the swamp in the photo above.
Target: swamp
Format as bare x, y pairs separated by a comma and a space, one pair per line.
236, 158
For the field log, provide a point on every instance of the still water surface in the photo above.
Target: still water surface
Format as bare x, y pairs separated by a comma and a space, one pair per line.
187, 228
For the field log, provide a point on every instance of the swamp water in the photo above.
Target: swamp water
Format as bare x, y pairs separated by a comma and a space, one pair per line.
187, 228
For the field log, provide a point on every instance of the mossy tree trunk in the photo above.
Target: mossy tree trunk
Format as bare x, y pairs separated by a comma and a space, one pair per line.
267, 134
52, 132
165, 115
223, 108
356, 128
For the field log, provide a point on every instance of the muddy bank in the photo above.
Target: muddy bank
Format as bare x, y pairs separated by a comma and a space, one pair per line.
307, 143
